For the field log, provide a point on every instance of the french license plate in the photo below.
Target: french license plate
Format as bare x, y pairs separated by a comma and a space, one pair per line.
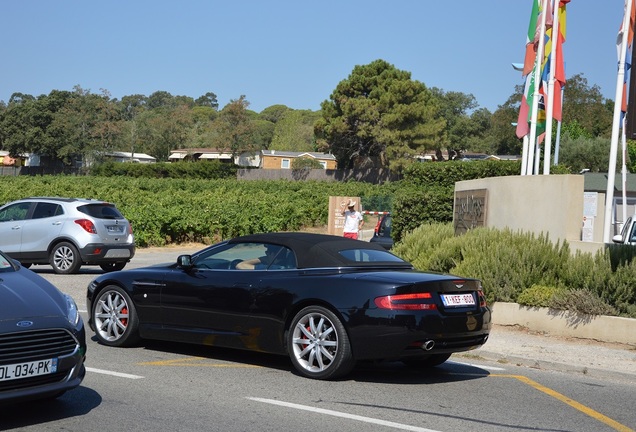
115, 228
451, 300
28, 369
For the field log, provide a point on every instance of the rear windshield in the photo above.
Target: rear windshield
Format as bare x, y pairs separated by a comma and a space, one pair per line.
101, 211
369, 255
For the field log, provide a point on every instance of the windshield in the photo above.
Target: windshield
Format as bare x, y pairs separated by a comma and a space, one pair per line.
5, 264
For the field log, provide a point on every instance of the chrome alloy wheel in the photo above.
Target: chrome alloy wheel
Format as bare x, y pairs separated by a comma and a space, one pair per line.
63, 258
315, 342
111, 316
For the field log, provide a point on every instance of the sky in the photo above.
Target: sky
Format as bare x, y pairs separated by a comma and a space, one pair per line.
292, 53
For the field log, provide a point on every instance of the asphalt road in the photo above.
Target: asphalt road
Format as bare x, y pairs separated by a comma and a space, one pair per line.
160, 386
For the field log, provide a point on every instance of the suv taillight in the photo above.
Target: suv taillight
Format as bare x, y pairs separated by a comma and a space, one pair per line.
87, 225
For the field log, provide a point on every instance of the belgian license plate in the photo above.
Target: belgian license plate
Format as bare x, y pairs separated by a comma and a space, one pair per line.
451, 300
28, 369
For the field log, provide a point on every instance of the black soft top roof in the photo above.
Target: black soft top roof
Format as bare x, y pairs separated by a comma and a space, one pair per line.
322, 250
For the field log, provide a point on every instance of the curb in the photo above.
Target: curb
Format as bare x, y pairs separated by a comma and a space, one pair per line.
546, 365
566, 323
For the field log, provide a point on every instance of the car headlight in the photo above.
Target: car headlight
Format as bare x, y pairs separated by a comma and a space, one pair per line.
72, 314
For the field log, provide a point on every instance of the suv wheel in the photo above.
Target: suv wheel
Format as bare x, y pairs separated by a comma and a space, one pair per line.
65, 258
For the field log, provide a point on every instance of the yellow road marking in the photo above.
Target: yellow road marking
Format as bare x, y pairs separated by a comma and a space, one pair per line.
574, 404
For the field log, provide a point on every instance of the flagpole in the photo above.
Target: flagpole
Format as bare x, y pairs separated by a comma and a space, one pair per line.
620, 79
557, 145
624, 167
524, 156
537, 76
550, 108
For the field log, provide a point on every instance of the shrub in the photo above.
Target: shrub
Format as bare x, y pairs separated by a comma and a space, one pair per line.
527, 269
583, 301
538, 296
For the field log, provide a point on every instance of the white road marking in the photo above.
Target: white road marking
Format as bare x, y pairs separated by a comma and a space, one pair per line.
117, 374
493, 368
343, 415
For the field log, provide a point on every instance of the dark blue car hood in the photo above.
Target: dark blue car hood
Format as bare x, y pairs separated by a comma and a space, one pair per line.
25, 295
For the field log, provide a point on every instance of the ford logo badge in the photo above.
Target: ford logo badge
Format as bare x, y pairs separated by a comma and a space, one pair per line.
25, 324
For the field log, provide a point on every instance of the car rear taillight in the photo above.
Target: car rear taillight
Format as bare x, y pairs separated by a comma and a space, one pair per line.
482, 298
419, 301
87, 225
130, 228
377, 226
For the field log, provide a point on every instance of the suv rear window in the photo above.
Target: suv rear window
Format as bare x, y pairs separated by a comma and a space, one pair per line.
101, 211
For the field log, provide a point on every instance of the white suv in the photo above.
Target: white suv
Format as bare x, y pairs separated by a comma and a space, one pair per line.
66, 233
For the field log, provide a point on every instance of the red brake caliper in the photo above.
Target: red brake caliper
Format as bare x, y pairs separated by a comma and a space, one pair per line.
124, 321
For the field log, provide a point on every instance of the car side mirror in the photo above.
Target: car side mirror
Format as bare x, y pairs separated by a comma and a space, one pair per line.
617, 238
185, 261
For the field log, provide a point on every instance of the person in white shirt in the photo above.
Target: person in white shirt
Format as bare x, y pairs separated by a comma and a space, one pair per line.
353, 221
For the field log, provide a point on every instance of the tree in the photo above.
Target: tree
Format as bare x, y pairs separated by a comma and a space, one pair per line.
162, 130
295, 131
463, 131
132, 105
585, 153
502, 136
160, 99
25, 126
379, 114
235, 128
586, 106
274, 113
207, 100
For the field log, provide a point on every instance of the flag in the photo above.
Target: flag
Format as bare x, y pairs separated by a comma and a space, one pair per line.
525, 113
559, 71
531, 51
532, 38
628, 50
559, 67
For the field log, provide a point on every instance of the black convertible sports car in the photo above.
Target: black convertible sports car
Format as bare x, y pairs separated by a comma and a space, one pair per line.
325, 301
42, 337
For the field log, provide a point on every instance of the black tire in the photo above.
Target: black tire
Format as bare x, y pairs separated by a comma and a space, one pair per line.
318, 344
115, 318
426, 362
114, 266
65, 259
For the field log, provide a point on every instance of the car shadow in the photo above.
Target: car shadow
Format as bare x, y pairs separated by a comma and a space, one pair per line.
396, 372
74, 403
385, 372
82, 270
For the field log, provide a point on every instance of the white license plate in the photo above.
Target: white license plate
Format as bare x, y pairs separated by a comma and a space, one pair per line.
458, 300
115, 228
28, 369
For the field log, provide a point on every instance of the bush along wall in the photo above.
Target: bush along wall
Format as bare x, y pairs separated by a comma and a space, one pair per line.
528, 269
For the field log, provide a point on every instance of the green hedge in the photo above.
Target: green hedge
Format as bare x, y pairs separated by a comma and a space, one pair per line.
178, 170
167, 210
